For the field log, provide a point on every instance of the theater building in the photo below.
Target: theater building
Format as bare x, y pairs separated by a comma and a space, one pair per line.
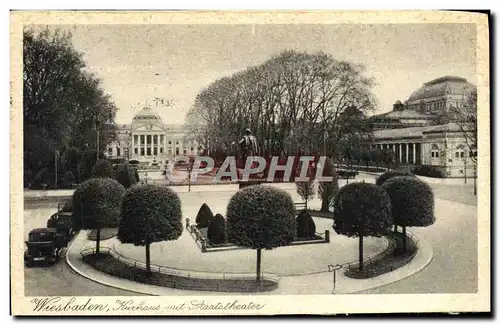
416, 134
151, 142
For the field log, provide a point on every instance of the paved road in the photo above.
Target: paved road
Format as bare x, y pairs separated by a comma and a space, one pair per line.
58, 279
453, 238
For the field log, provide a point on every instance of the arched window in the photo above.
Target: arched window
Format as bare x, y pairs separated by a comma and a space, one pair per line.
434, 151
459, 151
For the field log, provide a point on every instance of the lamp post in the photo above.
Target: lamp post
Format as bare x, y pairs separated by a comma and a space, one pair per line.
475, 176
465, 170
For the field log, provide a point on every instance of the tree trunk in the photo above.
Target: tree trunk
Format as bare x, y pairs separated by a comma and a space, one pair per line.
325, 202
361, 252
404, 239
97, 240
395, 228
148, 260
259, 253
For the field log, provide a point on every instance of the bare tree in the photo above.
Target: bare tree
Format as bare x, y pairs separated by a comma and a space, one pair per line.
465, 116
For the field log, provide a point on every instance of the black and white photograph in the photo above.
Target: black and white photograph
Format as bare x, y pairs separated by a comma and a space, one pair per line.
222, 163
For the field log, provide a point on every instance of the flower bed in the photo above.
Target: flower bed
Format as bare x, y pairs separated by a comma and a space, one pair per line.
200, 237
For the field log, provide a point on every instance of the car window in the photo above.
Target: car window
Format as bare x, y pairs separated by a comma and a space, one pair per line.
41, 236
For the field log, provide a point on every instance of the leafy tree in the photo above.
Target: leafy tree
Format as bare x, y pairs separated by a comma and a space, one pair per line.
63, 104
216, 232
204, 216
327, 190
390, 174
103, 168
126, 174
306, 228
96, 205
465, 116
306, 190
150, 214
261, 217
362, 209
412, 202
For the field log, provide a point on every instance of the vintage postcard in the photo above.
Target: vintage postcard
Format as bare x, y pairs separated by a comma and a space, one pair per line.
249, 163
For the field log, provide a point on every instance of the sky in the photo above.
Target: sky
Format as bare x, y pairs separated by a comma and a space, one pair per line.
139, 62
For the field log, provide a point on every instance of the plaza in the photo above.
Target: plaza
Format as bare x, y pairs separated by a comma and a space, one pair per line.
453, 240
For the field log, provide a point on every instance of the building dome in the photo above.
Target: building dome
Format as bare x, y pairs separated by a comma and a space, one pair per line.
146, 114
447, 85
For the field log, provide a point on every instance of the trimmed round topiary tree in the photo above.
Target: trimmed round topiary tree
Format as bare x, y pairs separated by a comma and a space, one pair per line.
216, 232
204, 216
362, 209
126, 174
150, 214
261, 217
103, 168
390, 174
412, 203
306, 228
96, 205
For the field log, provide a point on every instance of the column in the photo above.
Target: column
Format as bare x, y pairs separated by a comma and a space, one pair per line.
407, 152
143, 144
157, 144
393, 147
414, 153
400, 152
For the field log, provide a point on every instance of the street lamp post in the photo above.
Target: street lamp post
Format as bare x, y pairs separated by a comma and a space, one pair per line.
465, 170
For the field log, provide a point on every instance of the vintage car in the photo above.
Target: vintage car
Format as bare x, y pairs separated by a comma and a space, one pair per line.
62, 222
44, 245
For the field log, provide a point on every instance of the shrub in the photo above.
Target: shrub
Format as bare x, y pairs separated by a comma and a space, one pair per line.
133, 162
204, 216
150, 214
96, 205
390, 174
261, 217
68, 179
347, 173
126, 175
412, 202
103, 168
216, 232
362, 209
306, 228
117, 161
327, 190
429, 171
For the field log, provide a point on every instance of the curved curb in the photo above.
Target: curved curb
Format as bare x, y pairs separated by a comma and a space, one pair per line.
424, 253
99, 281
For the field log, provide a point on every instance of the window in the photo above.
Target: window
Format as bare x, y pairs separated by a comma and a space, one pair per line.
161, 149
434, 151
148, 139
118, 153
136, 138
135, 151
460, 152
142, 151
161, 138
176, 142
473, 152
110, 151
155, 152
169, 151
184, 151
149, 151
176, 151
170, 142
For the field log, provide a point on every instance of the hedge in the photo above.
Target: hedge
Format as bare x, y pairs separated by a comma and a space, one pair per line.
429, 171
126, 174
103, 168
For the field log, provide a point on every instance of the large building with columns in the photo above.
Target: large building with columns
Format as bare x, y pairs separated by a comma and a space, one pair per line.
151, 142
415, 134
